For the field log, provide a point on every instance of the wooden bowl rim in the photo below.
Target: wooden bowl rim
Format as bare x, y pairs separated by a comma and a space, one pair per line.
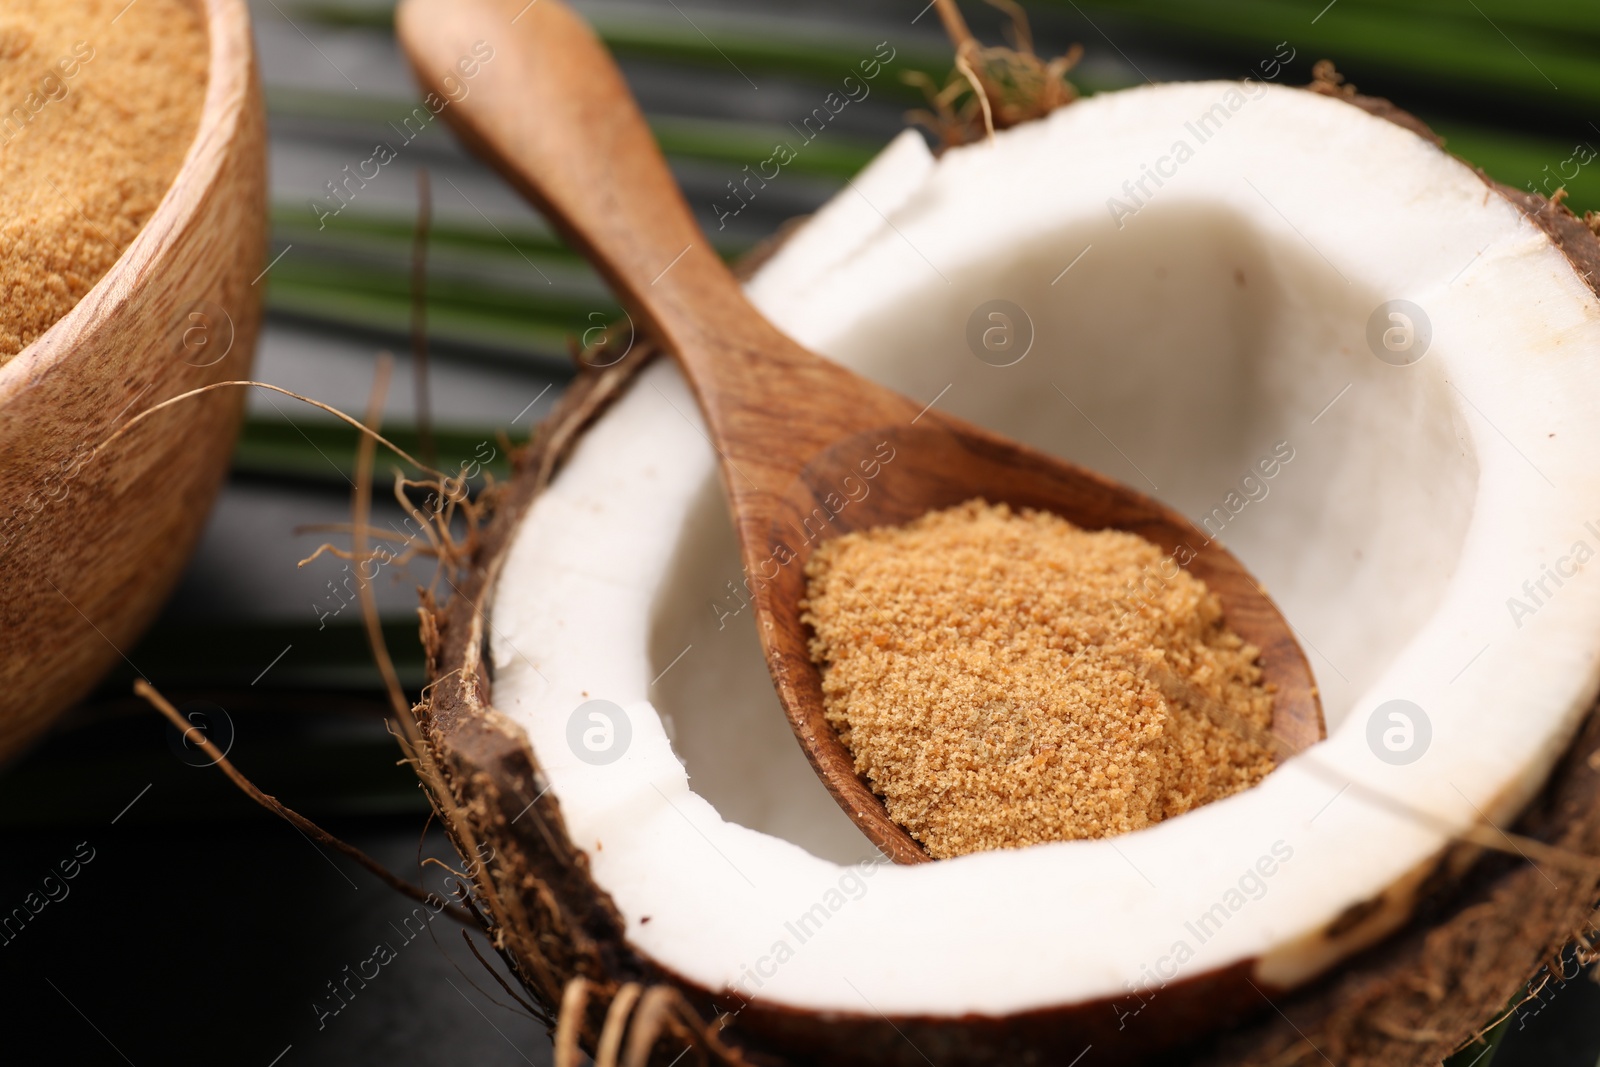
229, 73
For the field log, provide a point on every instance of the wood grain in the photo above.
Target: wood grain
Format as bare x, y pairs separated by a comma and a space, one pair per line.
795, 433
89, 549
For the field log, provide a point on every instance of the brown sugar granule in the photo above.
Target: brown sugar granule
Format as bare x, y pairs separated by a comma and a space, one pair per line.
95, 119
990, 670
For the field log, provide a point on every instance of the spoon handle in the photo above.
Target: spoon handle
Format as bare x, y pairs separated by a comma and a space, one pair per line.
551, 111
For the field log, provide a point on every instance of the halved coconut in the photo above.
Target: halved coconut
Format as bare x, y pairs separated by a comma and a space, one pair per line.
1218, 281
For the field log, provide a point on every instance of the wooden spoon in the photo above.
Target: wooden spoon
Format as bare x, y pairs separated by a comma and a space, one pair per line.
809, 450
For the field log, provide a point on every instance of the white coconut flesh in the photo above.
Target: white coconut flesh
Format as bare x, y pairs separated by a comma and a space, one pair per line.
1225, 314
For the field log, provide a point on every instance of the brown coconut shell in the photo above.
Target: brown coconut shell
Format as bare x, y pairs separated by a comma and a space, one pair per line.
91, 543
1474, 944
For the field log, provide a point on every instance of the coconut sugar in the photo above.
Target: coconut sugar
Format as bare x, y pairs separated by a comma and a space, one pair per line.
994, 674
96, 116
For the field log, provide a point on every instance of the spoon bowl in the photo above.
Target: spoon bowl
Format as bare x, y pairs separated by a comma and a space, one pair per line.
808, 450
940, 462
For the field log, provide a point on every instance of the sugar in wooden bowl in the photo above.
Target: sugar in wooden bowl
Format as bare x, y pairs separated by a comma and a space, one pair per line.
99, 117
132, 224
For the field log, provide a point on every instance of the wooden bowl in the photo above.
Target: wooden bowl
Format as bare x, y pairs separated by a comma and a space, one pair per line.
90, 546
